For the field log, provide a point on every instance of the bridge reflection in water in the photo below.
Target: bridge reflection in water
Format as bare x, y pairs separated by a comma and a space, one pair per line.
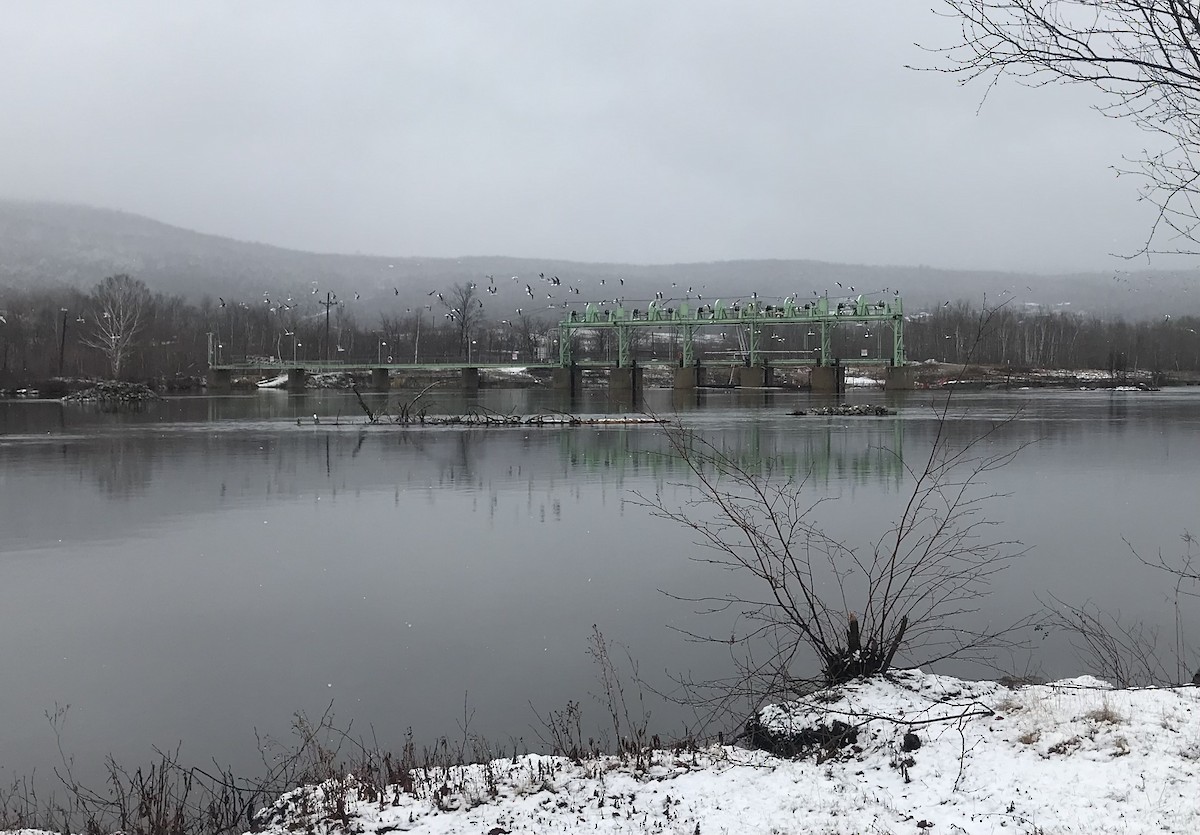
820, 450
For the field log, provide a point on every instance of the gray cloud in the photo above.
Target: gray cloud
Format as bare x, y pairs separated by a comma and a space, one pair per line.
619, 131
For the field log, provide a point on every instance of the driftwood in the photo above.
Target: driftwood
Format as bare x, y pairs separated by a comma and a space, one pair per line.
408, 414
114, 392
846, 410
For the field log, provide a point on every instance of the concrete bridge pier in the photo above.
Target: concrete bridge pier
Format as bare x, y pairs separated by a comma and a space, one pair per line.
380, 379
296, 378
219, 379
689, 377
470, 379
627, 380
828, 379
900, 378
567, 379
754, 376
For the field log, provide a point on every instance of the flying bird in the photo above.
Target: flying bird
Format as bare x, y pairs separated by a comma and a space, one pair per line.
221, 300
396, 290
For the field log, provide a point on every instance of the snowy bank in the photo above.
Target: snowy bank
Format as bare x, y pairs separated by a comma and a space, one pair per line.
931, 754
915, 753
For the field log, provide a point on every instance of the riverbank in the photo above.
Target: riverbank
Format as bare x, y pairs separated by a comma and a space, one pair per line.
906, 753
930, 375
924, 753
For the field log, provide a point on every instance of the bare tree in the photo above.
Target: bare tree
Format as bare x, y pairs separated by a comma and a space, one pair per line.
803, 597
1142, 55
465, 310
120, 303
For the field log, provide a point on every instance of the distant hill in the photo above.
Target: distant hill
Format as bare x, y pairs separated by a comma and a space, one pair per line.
44, 244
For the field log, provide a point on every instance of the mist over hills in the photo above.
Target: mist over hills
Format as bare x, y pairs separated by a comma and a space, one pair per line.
48, 244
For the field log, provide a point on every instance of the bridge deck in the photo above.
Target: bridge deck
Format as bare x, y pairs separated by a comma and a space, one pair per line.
320, 367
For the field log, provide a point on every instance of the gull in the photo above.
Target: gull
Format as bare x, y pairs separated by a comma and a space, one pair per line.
221, 300
396, 290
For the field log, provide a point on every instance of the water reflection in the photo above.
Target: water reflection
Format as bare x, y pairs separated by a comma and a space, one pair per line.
823, 453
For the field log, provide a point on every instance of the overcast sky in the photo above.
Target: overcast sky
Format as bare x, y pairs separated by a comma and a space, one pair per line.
617, 130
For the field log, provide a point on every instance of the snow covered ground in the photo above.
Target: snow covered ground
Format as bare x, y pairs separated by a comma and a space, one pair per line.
932, 755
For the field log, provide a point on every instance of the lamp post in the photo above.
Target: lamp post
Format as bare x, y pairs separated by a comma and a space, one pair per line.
62, 340
379, 353
295, 345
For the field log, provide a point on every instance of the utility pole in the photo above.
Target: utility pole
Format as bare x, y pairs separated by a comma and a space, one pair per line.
62, 341
328, 303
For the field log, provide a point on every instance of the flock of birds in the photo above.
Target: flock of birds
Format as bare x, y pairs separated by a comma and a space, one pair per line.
548, 292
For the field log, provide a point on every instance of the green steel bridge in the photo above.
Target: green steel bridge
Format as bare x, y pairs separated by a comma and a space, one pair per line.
755, 318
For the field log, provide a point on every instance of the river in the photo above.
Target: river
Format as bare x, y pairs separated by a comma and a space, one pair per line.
198, 570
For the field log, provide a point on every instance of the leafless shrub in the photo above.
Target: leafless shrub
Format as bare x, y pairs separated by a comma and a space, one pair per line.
1125, 654
850, 608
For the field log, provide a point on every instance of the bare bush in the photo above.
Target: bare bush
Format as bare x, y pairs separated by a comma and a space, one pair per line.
822, 600
1132, 653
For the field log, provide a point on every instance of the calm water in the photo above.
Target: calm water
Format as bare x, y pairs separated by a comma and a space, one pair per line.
204, 568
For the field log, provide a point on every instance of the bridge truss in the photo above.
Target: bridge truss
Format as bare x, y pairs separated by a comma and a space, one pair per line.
754, 316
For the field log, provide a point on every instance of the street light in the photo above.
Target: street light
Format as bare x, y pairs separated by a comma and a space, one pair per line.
469, 351
379, 353
62, 340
